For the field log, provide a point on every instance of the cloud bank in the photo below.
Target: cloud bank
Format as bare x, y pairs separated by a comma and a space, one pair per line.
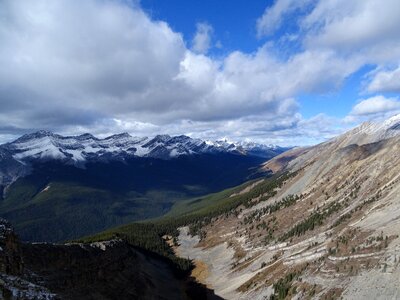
106, 66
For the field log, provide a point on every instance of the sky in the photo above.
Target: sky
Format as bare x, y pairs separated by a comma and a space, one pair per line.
286, 72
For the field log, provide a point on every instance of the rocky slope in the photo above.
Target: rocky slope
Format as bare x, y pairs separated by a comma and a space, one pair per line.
330, 231
10, 169
103, 270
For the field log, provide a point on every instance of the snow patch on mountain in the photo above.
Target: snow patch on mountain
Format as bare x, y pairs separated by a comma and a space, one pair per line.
371, 132
45, 145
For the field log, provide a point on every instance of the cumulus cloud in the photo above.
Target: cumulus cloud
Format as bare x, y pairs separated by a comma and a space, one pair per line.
385, 81
95, 56
366, 29
105, 66
273, 16
82, 66
375, 105
373, 108
202, 39
68, 64
288, 130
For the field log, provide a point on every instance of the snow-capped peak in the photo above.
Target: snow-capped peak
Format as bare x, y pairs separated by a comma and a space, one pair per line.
392, 123
123, 135
370, 132
77, 149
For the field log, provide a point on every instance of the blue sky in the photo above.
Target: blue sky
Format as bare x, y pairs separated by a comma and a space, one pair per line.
233, 21
234, 26
286, 72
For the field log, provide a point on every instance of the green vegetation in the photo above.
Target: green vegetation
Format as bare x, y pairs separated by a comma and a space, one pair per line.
315, 219
271, 225
149, 234
348, 215
228, 206
203, 203
68, 210
271, 208
283, 286
58, 202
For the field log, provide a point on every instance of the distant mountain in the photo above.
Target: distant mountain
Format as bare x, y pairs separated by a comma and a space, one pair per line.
47, 145
76, 185
10, 168
15, 157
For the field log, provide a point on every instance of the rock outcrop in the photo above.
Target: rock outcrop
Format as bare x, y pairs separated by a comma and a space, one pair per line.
10, 258
103, 270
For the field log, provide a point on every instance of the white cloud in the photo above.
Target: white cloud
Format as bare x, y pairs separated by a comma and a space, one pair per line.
121, 65
365, 28
274, 15
288, 130
198, 71
85, 55
202, 39
385, 81
354, 33
375, 105
105, 66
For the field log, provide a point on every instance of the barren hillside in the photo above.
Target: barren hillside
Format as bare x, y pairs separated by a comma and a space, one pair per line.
331, 230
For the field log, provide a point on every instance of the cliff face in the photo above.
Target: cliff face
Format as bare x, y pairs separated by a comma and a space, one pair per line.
103, 270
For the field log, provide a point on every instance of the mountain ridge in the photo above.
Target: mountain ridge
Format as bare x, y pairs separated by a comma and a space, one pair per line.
46, 144
16, 157
78, 185
370, 132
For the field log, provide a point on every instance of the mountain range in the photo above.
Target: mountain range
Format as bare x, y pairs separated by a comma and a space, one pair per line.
86, 148
322, 222
77, 185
